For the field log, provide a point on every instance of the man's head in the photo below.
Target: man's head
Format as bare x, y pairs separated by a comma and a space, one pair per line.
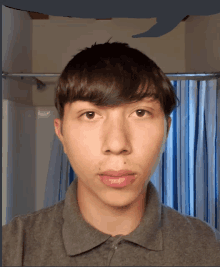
114, 105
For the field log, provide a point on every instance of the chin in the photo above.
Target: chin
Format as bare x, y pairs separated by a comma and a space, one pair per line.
119, 201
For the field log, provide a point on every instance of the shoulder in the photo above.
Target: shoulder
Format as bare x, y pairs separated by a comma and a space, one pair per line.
175, 220
27, 227
190, 234
42, 216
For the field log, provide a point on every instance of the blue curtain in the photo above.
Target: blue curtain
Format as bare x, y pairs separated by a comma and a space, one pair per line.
60, 174
188, 175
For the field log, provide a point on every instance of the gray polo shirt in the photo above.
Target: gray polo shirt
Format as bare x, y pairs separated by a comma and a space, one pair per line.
59, 236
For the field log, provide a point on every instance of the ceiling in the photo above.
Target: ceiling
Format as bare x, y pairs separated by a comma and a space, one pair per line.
36, 15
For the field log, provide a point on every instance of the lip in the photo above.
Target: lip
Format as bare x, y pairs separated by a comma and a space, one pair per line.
117, 173
119, 182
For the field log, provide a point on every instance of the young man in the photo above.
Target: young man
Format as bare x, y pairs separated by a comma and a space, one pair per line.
114, 107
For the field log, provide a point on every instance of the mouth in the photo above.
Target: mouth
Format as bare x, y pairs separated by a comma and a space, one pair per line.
120, 173
119, 181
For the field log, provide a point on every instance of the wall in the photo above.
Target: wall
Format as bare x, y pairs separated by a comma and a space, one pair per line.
18, 117
203, 43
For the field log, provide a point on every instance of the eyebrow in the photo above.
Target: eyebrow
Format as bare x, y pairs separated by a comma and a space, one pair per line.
143, 101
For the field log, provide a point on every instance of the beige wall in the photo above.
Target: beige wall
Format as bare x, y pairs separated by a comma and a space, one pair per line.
203, 44
16, 54
18, 117
192, 46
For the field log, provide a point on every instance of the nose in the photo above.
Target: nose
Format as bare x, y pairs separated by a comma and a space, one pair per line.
117, 138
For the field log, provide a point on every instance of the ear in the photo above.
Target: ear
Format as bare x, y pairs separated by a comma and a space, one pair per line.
168, 125
57, 126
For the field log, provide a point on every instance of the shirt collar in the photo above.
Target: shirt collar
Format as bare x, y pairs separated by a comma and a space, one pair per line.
79, 236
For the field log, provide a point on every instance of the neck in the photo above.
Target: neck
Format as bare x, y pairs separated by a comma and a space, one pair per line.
112, 220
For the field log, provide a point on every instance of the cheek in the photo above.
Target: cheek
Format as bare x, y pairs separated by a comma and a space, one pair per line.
75, 143
151, 142
81, 147
152, 135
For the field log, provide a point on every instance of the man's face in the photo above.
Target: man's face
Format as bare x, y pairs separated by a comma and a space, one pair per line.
124, 137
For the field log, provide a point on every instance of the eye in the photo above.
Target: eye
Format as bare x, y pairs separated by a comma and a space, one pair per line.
143, 111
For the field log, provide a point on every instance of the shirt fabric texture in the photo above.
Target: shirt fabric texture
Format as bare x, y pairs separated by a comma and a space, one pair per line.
59, 236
